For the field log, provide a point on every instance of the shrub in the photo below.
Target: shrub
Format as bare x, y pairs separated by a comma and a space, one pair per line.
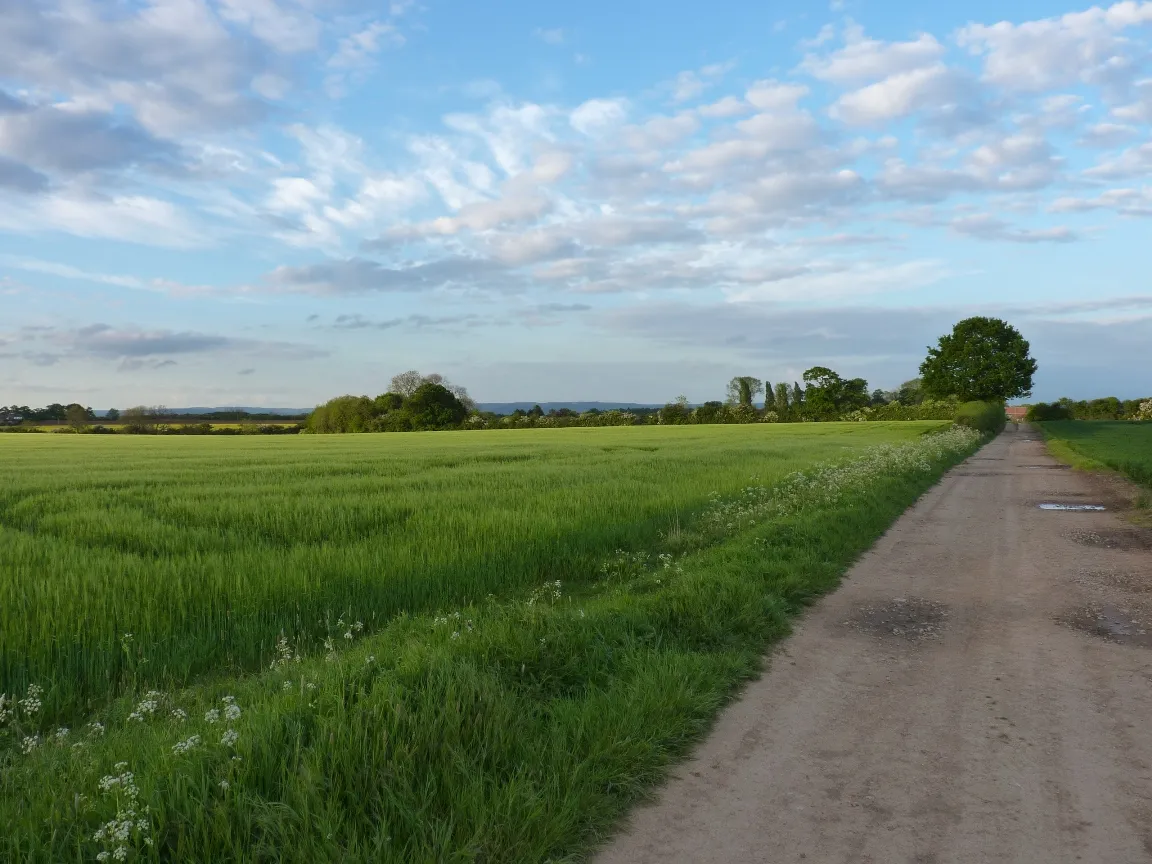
1042, 411
988, 417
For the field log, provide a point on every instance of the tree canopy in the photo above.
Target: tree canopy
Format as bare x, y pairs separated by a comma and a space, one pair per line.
984, 359
743, 389
829, 395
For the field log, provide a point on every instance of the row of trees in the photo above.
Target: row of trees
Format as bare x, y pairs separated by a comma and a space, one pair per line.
426, 402
74, 414
1108, 408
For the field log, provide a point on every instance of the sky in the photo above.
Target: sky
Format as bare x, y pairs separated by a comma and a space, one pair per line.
273, 202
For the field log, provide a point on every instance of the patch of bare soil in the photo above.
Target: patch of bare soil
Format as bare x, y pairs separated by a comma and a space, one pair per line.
1134, 583
1126, 539
913, 619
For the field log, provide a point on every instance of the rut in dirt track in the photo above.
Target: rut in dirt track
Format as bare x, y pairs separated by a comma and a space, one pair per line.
978, 690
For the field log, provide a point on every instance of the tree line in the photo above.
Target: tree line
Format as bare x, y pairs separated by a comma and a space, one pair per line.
143, 420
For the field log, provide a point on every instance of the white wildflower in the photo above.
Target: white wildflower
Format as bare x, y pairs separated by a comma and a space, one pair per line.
231, 709
284, 653
30, 743
184, 746
179, 714
229, 738
61, 734
224, 784
32, 701
212, 716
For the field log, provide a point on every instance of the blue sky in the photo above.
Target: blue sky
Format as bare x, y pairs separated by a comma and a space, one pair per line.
271, 202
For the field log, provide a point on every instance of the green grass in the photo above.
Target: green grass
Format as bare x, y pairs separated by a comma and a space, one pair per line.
466, 722
1123, 446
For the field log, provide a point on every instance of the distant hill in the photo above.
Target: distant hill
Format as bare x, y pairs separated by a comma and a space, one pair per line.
509, 407
248, 410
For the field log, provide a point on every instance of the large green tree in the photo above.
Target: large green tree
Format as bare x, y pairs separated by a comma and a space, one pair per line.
743, 389
981, 359
828, 395
434, 406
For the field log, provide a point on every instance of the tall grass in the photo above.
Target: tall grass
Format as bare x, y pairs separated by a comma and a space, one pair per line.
206, 551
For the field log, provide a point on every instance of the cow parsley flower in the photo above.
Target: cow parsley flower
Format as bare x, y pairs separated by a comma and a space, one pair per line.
184, 746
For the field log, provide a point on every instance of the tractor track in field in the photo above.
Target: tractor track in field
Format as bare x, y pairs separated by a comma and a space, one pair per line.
978, 690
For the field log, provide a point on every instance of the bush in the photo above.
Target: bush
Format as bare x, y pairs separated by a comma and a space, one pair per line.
988, 417
1042, 411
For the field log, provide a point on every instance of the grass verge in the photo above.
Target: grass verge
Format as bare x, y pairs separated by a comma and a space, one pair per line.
1105, 446
498, 731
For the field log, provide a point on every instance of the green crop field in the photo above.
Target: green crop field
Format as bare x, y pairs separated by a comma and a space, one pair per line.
408, 647
1121, 445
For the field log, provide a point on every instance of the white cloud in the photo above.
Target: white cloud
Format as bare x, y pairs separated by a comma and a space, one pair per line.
896, 96
728, 106
511, 132
280, 25
862, 59
661, 131
1139, 111
131, 218
597, 116
985, 227
1107, 135
774, 96
1133, 162
852, 279
689, 84
356, 53
1054, 52
1126, 202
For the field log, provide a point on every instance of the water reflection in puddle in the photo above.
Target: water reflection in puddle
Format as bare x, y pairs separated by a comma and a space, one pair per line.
1072, 507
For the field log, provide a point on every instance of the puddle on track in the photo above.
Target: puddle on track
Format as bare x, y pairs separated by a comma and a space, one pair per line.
1114, 624
1078, 508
